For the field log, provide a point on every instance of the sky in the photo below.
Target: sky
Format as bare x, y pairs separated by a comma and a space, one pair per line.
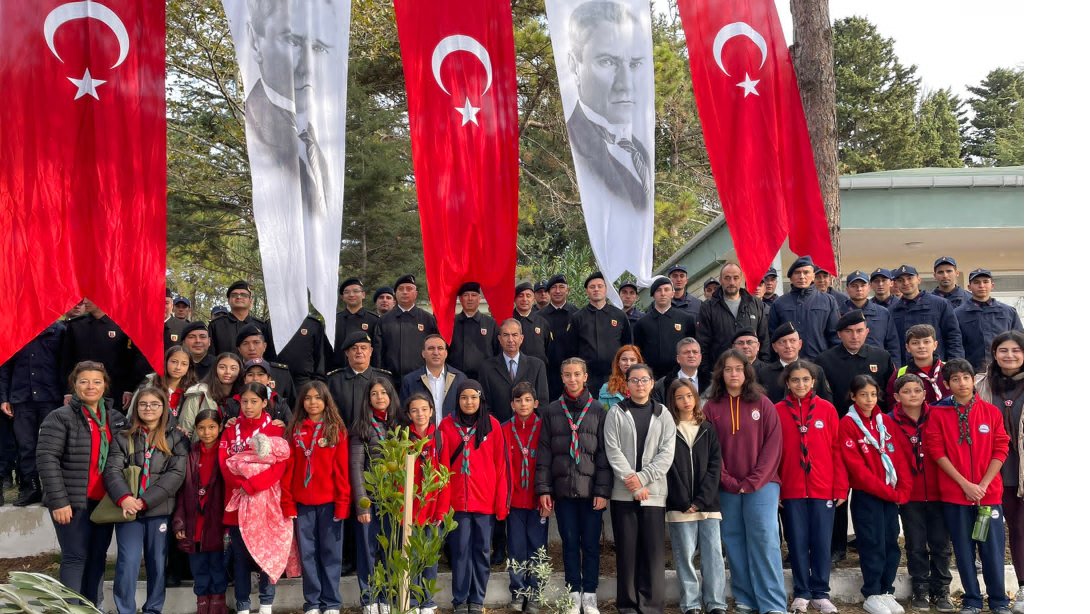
953, 43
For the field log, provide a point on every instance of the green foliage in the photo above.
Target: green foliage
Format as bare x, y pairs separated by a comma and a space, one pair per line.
940, 121
998, 105
542, 593
32, 593
384, 482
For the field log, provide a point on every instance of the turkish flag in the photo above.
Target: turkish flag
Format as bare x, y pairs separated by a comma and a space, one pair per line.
83, 166
459, 61
755, 132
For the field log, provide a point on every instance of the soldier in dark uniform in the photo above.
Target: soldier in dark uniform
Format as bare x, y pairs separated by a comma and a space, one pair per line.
541, 295
823, 282
251, 345
946, 273
558, 314
598, 331
195, 339
306, 351
536, 334
710, 286
679, 277
659, 331
172, 328
630, 295
94, 336
786, 343
813, 312
351, 319
384, 301
224, 329
474, 338
881, 283
402, 331
883, 333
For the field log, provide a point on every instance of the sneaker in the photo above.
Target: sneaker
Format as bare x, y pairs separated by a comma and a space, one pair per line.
799, 605
517, 604
825, 606
430, 610
371, 608
919, 601
970, 610
942, 603
875, 604
894, 607
577, 603
265, 609
28, 496
331, 612
1018, 606
590, 603
1002, 611
313, 611
742, 608
383, 608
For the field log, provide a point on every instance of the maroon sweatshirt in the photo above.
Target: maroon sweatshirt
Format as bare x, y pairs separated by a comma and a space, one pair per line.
750, 439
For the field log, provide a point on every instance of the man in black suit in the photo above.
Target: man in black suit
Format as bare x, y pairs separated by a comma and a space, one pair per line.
500, 373
435, 378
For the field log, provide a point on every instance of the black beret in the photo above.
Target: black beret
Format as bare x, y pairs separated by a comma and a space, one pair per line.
192, 326
851, 318
248, 331
523, 287
629, 284
659, 282
555, 279
380, 291
353, 338
238, 285
592, 277
351, 281
745, 332
404, 279
801, 262
469, 286
782, 331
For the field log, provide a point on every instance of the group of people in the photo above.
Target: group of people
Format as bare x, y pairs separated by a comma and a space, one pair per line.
700, 417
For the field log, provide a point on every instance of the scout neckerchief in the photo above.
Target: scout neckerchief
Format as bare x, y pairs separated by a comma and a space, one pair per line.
525, 450
145, 469
378, 425
239, 444
99, 418
965, 434
308, 451
916, 438
932, 378
573, 449
175, 402
803, 424
466, 434
887, 462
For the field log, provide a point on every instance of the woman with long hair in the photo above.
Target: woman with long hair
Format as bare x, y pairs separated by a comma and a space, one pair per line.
179, 375
215, 391
616, 388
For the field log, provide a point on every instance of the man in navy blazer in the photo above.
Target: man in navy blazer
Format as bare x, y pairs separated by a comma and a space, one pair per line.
496, 372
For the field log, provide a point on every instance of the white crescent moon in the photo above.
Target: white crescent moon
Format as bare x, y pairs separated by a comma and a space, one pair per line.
729, 31
460, 42
87, 10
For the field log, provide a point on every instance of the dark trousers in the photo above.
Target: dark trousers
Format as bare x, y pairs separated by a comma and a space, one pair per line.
580, 527
639, 533
840, 527
319, 536
244, 564
526, 532
141, 538
808, 528
27, 422
209, 575
959, 521
1014, 512
927, 547
8, 449
83, 552
876, 530
368, 555
470, 546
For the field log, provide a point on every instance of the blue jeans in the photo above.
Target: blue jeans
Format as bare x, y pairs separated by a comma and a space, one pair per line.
144, 537
751, 533
83, 552
808, 529
470, 549
319, 536
580, 527
959, 520
687, 538
876, 528
526, 532
209, 573
244, 564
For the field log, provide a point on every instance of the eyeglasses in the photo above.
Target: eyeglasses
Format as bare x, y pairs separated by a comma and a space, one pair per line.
239, 295
147, 405
639, 380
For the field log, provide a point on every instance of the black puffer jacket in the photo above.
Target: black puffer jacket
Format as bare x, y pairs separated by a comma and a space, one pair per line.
693, 478
64, 454
166, 474
557, 474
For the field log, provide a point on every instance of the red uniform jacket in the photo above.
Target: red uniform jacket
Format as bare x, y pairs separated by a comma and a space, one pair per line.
487, 488
235, 439
908, 437
523, 498
438, 503
863, 463
328, 471
989, 440
825, 479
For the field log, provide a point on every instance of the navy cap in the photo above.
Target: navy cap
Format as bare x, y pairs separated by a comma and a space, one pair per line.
556, 279
801, 262
979, 273
181, 300
469, 286
904, 269
405, 279
771, 273
818, 269
678, 267
945, 260
219, 309
353, 338
523, 287
351, 281
629, 284
851, 318
711, 280
658, 282
380, 291
857, 276
880, 272
257, 362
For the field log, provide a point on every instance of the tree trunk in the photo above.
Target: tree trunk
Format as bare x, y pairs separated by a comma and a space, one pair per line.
812, 53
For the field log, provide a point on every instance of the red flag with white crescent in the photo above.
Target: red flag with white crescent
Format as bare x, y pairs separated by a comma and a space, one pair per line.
755, 132
83, 166
459, 61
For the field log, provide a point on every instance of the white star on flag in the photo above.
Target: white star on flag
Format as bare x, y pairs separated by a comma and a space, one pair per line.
86, 85
468, 112
749, 86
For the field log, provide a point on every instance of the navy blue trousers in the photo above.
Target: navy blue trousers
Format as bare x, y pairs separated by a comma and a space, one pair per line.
526, 532
244, 564
27, 422
808, 529
959, 521
83, 552
369, 554
142, 538
209, 573
319, 536
580, 528
876, 529
470, 548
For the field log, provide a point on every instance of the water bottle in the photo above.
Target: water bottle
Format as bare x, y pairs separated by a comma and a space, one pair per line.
983, 522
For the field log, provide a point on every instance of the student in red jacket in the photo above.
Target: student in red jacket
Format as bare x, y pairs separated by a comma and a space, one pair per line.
812, 484
969, 444
927, 542
528, 524
316, 494
880, 481
473, 447
198, 516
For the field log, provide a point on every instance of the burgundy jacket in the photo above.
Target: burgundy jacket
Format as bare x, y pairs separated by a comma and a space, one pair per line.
185, 510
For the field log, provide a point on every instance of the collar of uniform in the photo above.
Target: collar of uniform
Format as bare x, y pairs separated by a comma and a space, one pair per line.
403, 310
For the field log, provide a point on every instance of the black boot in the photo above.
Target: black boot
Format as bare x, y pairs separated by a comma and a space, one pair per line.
29, 494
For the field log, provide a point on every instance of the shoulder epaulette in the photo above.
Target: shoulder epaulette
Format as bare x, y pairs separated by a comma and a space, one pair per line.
336, 371
279, 365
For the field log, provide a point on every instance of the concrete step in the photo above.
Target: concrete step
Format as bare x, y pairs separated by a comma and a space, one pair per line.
844, 584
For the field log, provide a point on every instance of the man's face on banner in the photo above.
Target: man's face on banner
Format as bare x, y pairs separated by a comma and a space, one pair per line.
291, 44
610, 70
